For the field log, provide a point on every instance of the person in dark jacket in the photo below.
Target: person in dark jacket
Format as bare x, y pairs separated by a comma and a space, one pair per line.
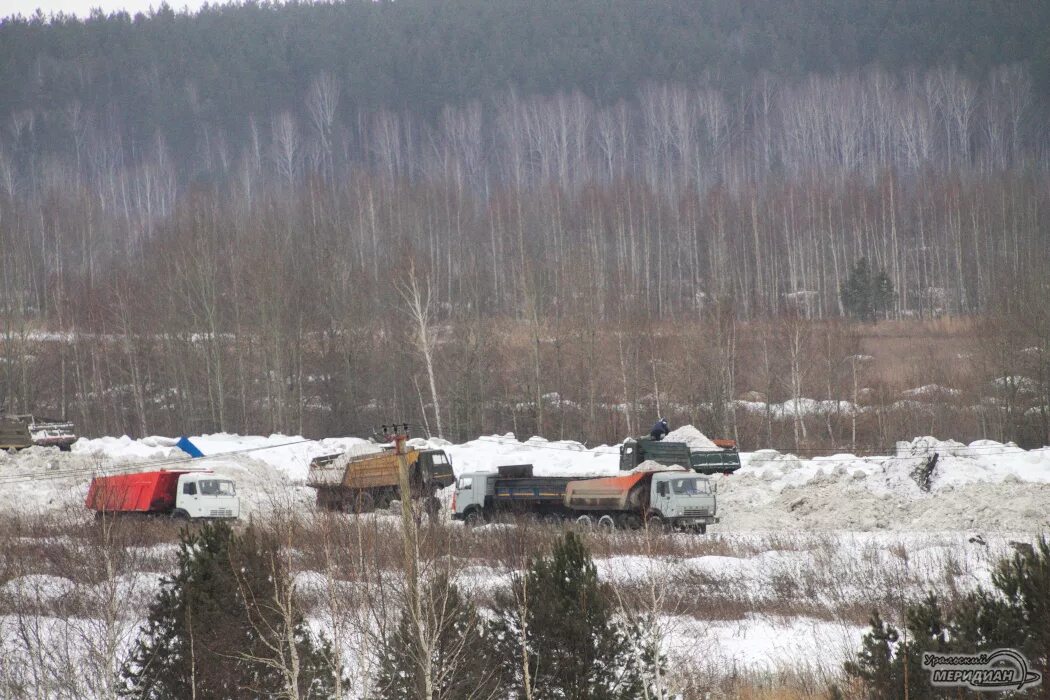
660, 429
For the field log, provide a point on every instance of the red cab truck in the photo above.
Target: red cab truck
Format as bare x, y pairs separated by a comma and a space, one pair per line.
180, 494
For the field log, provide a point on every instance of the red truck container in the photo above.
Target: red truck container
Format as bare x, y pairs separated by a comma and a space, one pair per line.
144, 492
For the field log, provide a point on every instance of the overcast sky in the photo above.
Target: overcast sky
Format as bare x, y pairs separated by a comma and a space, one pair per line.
81, 8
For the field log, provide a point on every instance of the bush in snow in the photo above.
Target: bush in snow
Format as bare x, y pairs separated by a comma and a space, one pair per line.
227, 625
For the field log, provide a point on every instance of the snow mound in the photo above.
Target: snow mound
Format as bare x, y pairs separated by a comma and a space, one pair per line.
651, 466
39, 587
697, 441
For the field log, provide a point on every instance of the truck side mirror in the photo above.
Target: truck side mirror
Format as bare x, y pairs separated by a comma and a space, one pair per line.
661, 488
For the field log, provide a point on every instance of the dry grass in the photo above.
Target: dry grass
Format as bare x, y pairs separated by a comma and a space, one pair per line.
701, 580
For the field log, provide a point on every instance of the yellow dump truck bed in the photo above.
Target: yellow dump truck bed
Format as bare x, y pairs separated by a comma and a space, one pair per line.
359, 471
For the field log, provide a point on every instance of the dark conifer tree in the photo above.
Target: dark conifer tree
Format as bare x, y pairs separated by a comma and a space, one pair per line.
576, 648
214, 629
865, 293
454, 640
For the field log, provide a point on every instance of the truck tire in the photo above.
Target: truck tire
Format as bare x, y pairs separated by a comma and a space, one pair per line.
473, 517
701, 529
432, 505
607, 522
179, 514
362, 502
656, 524
631, 521
585, 522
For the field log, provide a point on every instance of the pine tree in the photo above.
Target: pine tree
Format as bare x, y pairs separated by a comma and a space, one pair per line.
887, 663
215, 629
1015, 614
866, 294
575, 647
454, 638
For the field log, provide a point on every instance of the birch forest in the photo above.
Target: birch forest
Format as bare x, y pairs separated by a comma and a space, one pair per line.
314, 219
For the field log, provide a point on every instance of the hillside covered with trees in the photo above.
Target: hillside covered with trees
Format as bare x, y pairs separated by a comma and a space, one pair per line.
517, 215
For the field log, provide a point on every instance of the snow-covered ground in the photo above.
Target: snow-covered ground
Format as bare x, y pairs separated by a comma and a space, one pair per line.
981, 486
804, 544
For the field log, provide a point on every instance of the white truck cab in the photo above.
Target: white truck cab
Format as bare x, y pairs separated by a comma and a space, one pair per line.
206, 495
684, 498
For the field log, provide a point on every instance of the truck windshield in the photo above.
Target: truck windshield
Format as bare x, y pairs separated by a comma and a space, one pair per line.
439, 458
465, 483
690, 486
216, 487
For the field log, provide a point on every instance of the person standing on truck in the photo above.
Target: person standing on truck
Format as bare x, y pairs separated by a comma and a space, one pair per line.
660, 429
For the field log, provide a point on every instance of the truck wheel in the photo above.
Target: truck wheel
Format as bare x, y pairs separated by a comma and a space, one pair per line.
473, 518
632, 522
585, 522
363, 503
432, 505
701, 529
606, 522
656, 524
179, 514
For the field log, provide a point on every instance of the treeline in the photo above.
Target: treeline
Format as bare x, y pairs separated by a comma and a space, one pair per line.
176, 73
570, 263
676, 198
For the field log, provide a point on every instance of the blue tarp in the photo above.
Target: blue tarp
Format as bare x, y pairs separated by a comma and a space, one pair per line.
188, 447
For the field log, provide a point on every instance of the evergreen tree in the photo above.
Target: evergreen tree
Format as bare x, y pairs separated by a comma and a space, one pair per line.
454, 640
217, 628
1015, 615
889, 661
575, 647
866, 294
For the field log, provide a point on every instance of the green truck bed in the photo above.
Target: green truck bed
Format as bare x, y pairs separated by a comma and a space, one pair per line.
634, 452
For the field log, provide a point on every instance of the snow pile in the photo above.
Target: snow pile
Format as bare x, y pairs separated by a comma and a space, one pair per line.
931, 390
548, 457
651, 466
697, 441
982, 485
290, 455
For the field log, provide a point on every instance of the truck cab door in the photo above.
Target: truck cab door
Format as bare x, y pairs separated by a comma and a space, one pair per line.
660, 498
188, 499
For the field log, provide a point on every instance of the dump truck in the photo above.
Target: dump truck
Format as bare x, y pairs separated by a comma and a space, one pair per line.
191, 495
354, 482
678, 498
18, 431
14, 434
723, 460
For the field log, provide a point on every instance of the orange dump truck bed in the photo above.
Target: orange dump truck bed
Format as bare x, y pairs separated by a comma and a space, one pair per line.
376, 470
144, 492
625, 492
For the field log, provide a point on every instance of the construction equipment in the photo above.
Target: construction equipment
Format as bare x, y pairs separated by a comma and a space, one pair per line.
356, 482
723, 460
180, 494
677, 498
14, 434
18, 431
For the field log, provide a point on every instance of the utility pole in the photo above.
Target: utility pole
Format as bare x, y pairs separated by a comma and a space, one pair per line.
410, 540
